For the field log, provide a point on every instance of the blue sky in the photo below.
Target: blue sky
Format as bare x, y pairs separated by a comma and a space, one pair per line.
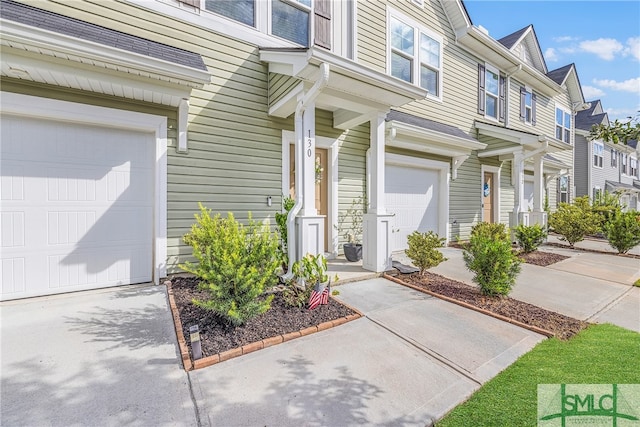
601, 37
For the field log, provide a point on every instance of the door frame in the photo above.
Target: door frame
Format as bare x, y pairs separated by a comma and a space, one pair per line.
331, 145
73, 112
495, 198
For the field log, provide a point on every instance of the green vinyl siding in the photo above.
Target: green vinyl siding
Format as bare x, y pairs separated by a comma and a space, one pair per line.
279, 86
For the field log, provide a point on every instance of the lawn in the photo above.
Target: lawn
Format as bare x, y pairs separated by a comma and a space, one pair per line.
600, 354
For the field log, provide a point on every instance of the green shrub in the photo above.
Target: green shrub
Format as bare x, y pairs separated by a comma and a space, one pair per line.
606, 206
529, 237
235, 264
422, 250
623, 231
490, 257
308, 271
281, 223
574, 222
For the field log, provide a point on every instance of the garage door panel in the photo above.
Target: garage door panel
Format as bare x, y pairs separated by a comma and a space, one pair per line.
77, 207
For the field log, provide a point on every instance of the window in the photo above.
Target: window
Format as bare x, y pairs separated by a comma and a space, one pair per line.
290, 20
614, 158
563, 189
563, 125
491, 96
633, 167
598, 154
624, 164
239, 10
415, 54
527, 105
597, 194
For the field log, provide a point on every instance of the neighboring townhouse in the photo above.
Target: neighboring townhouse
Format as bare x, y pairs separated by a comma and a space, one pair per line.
603, 166
119, 117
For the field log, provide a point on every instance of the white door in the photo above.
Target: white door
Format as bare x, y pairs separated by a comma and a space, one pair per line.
77, 207
528, 196
411, 194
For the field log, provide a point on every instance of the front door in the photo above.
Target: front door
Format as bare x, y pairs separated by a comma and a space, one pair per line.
322, 185
487, 197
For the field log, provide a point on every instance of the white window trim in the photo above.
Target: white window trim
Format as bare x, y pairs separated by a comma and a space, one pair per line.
268, 5
34, 106
488, 67
496, 171
418, 29
529, 90
597, 189
624, 164
614, 158
331, 145
601, 145
570, 129
630, 173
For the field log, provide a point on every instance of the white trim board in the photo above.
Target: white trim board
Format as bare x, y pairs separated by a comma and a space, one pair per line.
32, 106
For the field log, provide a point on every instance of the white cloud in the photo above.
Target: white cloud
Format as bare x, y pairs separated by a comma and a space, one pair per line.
632, 48
567, 50
563, 39
631, 85
603, 48
621, 114
591, 92
550, 55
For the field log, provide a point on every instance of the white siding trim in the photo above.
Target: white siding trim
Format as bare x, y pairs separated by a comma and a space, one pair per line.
33, 106
444, 176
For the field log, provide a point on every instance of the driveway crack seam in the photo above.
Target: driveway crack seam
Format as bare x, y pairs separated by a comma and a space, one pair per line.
194, 401
428, 352
609, 305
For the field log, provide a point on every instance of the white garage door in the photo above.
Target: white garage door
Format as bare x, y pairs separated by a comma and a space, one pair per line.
412, 195
77, 207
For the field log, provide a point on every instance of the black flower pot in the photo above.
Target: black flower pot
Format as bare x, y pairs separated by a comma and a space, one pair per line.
353, 251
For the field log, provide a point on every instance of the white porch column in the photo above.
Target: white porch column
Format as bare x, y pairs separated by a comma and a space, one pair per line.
517, 179
377, 225
538, 216
310, 224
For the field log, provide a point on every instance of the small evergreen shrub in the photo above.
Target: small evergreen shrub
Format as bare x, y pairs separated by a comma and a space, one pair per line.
529, 237
307, 272
573, 222
281, 223
490, 257
606, 207
235, 265
623, 231
422, 250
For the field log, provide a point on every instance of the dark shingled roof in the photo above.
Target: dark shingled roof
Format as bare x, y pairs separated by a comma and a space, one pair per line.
585, 118
511, 39
32, 16
620, 185
633, 143
560, 74
427, 124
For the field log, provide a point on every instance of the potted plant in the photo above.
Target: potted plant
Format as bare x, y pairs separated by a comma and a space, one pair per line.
350, 227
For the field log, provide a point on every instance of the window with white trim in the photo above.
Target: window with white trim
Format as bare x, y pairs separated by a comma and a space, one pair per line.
614, 158
563, 189
527, 105
598, 154
243, 11
563, 125
415, 54
491, 92
623, 167
597, 194
633, 167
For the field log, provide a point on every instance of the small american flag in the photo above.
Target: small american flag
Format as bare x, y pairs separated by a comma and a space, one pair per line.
319, 296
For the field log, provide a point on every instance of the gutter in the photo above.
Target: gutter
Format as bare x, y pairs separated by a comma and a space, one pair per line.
308, 97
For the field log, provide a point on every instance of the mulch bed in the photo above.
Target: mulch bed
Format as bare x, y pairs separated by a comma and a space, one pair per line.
216, 336
541, 258
562, 327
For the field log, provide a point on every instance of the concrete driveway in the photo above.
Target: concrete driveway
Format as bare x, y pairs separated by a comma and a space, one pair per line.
99, 358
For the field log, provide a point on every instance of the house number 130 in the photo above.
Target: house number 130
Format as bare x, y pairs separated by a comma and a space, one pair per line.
308, 147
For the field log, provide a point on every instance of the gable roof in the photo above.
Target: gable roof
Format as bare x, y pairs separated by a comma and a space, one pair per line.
511, 40
585, 119
45, 20
526, 39
567, 77
559, 75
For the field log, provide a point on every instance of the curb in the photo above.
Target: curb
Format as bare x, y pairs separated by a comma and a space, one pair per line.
535, 329
247, 348
595, 251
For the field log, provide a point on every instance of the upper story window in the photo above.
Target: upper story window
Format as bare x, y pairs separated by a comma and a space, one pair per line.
415, 54
491, 92
563, 125
633, 167
243, 11
598, 154
623, 167
614, 158
290, 20
527, 105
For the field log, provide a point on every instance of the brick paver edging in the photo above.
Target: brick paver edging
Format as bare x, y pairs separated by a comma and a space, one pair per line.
248, 348
472, 307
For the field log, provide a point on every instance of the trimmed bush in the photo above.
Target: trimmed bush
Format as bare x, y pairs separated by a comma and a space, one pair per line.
490, 257
422, 250
574, 222
529, 237
623, 231
235, 264
281, 222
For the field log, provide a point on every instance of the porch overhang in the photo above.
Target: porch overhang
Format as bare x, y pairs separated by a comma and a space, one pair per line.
491, 50
415, 138
620, 187
39, 55
524, 140
354, 92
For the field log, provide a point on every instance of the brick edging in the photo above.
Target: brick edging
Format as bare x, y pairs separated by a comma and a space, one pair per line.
247, 348
472, 307
595, 251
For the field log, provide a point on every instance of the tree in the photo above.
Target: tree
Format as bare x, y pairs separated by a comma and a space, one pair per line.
618, 131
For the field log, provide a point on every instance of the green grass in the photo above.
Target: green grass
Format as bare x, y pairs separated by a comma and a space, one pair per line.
637, 283
601, 354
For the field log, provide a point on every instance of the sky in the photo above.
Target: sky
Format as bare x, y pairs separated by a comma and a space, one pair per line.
601, 37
